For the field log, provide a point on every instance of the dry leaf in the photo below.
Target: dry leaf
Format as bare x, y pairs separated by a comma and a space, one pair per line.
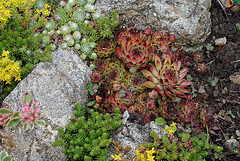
227, 3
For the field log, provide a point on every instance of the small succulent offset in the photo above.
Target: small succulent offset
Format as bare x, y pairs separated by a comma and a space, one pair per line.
87, 138
5, 157
167, 79
27, 118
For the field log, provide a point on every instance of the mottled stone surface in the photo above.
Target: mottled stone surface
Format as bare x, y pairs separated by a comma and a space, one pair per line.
134, 134
169, 16
56, 86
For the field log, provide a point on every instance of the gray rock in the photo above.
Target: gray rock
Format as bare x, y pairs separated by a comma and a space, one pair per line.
56, 86
168, 16
134, 134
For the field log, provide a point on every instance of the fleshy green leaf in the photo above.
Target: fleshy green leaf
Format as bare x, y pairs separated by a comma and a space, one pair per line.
13, 122
16, 115
91, 92
5, 111
27, 98
90, 86
41, 123
31, 126
7, 158
25, 127
3, 153
160, 121
91, 103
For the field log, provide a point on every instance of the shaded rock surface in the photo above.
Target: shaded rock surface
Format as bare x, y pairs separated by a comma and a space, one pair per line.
134, 134
56, 86
189, 20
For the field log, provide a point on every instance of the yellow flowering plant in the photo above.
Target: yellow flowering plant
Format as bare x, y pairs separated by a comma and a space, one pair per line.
4, 12
171, 129
117, 157
22, 10
147, 155
9, 69
40, 15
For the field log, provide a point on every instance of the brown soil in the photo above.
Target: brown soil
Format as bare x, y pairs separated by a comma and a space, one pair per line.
225, 95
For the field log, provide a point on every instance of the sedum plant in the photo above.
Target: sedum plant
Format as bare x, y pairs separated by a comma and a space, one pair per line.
87, 138
184, 147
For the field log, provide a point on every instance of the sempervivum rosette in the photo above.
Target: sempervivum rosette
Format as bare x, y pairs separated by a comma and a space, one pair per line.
143, 98
169, 110
134, 52
167, 78
136, 81
114, 73
105, 47
111, 103
124, 96
189, 112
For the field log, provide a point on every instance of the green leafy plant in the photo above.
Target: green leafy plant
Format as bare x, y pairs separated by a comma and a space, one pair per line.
213, 82
209, 47
87, 138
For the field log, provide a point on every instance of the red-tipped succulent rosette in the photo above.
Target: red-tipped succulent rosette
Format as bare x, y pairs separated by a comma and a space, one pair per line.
167, 78
134, 52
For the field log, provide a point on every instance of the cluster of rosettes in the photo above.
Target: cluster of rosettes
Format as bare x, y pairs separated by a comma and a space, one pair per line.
30, 114
200, 67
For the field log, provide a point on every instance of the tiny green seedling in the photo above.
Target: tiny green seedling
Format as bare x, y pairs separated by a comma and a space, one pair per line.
209, 47
213, 82
230, 113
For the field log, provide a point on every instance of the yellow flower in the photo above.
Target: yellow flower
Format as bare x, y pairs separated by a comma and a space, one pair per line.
117, 157
45, 10
5, 53
150, 154
151, 151
150, 158
171, 129
173, 124
139, 156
